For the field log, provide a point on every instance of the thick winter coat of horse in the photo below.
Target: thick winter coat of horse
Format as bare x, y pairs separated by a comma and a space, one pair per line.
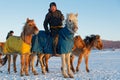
23, 45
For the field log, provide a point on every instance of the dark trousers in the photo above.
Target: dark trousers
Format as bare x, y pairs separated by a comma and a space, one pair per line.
55, 35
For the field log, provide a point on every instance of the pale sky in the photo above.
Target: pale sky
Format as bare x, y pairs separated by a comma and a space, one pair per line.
94, 16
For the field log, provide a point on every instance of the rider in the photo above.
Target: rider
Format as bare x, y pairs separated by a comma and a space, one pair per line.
9, 34
54, 18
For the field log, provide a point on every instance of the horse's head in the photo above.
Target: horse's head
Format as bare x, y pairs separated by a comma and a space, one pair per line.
72, 22
30, 27
97, 42
78, 42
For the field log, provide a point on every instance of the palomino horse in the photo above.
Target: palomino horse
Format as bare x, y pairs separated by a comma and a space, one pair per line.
81, 48
90, 42
22, 45
42, 43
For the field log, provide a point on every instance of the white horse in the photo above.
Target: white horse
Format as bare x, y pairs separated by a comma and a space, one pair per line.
42, 44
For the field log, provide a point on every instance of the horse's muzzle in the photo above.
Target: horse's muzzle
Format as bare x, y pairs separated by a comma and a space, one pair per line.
75, 28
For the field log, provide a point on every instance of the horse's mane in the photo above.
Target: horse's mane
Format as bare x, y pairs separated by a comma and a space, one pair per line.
26, 27
25, 24
89, 39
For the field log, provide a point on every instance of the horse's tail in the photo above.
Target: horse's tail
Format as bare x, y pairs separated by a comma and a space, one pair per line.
3, 61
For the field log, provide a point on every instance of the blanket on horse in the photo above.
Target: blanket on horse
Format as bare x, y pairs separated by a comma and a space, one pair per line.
15, 44
43, 43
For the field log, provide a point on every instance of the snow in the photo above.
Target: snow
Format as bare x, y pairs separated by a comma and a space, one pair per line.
103, 65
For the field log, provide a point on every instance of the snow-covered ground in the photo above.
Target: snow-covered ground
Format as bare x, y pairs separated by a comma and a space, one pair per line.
103, 65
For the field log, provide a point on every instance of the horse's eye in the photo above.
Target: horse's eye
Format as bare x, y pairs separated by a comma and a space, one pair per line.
70, 20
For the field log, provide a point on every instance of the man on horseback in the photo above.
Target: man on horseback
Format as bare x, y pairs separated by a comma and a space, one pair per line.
54, 18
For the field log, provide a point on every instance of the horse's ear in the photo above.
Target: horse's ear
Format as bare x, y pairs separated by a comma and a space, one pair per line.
27, 19
97, 36
76, 14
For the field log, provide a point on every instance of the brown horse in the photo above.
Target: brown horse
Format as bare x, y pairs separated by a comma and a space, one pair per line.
21, 45
81, 48
1, 52
90, 42
8, 57
1, 47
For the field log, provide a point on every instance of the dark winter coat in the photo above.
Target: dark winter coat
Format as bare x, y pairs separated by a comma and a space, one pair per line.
53, 19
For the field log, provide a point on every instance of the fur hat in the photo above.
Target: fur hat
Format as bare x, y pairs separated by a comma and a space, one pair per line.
52, 4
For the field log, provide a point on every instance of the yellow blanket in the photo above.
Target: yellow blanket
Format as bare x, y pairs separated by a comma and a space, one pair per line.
16, 45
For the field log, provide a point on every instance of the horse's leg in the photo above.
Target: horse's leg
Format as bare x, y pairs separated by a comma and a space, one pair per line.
22, 64
86, 62
27, 64
14, 62
71, 63
0, 55
79, 61
67, 56
37, 61
9, 61
41, 62
64, 66
47, 56
33, 60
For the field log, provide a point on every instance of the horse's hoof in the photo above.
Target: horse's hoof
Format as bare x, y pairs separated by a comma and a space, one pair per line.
27, 74
15, 71
35, 73
71, 76
88, 70
65, 76
22, 75
77, 69
48, 71
43, 72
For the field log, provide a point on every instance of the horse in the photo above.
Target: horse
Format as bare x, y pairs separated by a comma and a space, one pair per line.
7, 57
1, 49
81, 49
42, 44
78, 43
92, 41
21, 45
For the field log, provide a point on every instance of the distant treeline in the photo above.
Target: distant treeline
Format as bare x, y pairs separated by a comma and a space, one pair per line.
111, 44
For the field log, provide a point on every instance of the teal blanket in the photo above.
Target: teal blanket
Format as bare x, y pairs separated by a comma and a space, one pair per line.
43, 43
